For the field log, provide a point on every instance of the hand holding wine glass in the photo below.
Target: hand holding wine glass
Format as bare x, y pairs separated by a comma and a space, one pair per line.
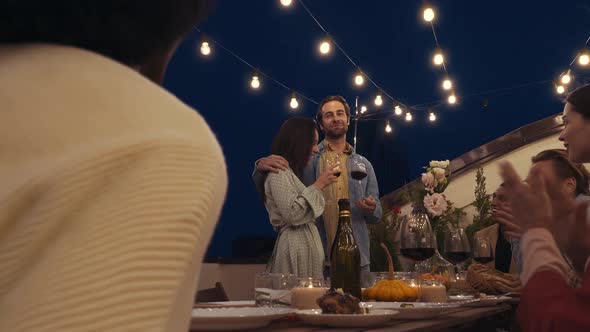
327, 177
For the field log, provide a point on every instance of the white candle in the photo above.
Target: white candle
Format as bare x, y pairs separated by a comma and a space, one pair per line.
305, 297
436, 293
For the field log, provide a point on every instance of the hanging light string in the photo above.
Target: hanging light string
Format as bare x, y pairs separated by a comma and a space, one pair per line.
565, 78
255, 69
341, 49
437, 45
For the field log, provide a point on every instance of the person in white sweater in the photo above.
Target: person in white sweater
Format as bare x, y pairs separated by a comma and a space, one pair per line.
110, 187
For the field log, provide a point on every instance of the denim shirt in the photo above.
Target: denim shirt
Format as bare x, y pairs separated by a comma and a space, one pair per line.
359, 219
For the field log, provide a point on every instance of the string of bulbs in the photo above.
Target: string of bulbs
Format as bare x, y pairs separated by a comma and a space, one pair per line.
255, 80
566, 77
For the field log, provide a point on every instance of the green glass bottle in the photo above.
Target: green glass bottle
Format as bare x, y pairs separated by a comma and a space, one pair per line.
345, 258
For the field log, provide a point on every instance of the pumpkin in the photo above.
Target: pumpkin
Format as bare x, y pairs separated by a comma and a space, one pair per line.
391, 290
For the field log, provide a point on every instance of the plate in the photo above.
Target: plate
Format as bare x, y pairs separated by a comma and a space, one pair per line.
489, 300
374, 317
227, 319
420, 310
226, 304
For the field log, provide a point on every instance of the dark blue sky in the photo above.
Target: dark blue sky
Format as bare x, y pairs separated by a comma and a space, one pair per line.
488, 45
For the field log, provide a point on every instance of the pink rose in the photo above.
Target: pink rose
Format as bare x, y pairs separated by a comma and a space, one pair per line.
428, 181
435, 203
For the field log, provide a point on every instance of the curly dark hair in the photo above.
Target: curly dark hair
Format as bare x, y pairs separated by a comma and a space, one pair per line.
129, 31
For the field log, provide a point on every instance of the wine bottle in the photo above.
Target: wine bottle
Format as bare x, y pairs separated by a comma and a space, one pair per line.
345, 257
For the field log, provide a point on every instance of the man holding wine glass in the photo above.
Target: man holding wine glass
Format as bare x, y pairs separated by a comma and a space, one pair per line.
357, 181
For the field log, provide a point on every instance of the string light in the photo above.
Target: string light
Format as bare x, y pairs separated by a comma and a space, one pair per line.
294, 104
452, 99
560, 89
428, 14
325, 47
359, 80
378, 99
432, 117
388, 127
255, 82
205, 48
566, 78
408, 117
447, 84
363, 109
286, 3
438, 57
584, 58
397, 110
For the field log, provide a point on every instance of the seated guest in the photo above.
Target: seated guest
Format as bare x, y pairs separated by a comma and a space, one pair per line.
293, 207
547, 302
497, 238
111, 186
562, 177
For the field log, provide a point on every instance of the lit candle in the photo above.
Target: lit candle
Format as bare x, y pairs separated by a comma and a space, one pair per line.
305, 297
434, 293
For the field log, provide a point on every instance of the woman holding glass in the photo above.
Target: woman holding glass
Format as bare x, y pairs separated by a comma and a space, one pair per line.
292, 207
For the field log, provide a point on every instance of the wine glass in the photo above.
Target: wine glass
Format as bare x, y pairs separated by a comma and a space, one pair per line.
417, 238
482, 250
456, 245
332, 161
358, 171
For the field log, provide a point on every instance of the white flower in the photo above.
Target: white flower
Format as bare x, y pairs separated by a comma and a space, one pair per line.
428, 181
439, 173
434, 163
435, 203
445, 164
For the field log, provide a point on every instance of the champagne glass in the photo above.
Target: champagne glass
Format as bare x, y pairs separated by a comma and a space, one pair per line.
417, 238
482, 250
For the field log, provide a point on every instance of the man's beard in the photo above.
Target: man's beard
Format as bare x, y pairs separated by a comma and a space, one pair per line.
334, 133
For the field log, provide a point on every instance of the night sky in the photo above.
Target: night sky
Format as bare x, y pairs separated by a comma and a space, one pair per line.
491, 48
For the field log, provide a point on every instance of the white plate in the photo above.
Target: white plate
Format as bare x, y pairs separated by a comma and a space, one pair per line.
227, 304
488, 300
226, 319
420, 310
374, 317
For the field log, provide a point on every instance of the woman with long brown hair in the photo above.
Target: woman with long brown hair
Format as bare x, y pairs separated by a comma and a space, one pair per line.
292, 207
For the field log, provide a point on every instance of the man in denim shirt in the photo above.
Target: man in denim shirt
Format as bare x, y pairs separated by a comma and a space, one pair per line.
333, 118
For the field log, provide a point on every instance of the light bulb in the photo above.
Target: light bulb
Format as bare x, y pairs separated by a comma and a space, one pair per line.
447, 84
387, 128
438, 58
255, 83
363, 109
359, 80
286, 3
378, 100
398, 110
408, 117
325, 47
584, 59
560, 89
428, 14
452, 99
294, 103
566, 78
432, 117
205, 48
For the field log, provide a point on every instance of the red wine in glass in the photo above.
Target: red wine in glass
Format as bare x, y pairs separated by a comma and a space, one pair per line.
483, 260
417, 254
457, 257
358, 175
